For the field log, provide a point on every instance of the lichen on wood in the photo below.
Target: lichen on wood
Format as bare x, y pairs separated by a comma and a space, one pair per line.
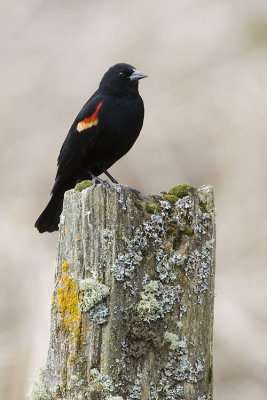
132, 309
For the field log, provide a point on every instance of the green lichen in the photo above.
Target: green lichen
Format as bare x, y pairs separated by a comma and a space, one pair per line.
179, 190
38, 390
157, 299
149, 308
172, 339
94, 292
83, 185
114, 398
152, 207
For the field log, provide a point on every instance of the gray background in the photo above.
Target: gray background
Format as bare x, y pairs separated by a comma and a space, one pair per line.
205, 123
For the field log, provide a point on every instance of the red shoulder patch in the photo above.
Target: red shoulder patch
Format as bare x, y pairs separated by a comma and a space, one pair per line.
87, 123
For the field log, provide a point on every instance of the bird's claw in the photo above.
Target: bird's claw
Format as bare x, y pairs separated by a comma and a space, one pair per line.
137, 193
105, 184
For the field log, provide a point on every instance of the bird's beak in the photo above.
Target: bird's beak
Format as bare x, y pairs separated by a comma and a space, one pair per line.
136, 75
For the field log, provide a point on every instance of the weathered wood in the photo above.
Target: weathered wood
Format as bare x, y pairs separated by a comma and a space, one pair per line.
132, 309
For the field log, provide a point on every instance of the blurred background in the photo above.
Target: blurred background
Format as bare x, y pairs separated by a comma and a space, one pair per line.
205, 123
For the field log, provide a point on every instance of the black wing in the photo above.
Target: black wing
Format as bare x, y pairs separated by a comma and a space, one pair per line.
80, 140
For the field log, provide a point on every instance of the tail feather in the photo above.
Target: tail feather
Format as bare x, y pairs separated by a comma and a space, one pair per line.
49, 219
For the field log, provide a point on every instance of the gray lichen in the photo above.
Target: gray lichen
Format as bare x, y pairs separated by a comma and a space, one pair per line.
38, 391
136, 390
126, 263
103, 382
199, 262
99, 314
205, 397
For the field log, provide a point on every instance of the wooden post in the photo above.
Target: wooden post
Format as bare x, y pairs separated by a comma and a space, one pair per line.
132, 309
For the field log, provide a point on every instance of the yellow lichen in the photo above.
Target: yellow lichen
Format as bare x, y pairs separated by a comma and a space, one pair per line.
65, 266
67, 303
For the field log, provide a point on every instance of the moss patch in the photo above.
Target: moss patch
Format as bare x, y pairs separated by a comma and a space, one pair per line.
137, 203
171, 198
172, 229
188, 231
152, 207
203, 207
180, 190
176, 193
83, 185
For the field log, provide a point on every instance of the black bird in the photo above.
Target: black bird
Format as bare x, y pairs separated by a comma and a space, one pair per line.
104, 130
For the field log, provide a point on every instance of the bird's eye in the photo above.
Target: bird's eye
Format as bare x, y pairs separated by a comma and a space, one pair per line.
121, 74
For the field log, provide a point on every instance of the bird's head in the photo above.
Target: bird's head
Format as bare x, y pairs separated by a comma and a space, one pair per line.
122, 78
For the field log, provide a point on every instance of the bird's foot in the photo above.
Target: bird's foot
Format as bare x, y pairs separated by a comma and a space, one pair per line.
137, 193
105, 184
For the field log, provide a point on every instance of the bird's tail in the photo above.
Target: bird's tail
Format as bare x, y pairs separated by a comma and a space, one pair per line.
49, 219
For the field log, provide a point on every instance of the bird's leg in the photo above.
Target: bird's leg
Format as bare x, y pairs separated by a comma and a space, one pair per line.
110, 176
97, 180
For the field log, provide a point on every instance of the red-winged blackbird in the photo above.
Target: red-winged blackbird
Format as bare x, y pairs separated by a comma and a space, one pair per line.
104, 130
